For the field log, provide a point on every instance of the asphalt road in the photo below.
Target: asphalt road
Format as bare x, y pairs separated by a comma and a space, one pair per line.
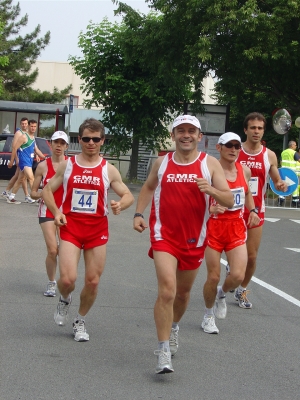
255, 356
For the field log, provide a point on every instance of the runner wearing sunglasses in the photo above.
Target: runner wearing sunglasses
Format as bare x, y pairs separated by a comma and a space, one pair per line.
83, 222
227, 231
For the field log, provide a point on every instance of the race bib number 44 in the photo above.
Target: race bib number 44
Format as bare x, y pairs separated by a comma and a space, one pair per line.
84, 201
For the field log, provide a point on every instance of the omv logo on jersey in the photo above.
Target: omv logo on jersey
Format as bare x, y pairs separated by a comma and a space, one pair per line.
290, 178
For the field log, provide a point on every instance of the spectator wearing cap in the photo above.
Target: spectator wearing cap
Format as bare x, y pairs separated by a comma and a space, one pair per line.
179, 186
44, 172
227, 232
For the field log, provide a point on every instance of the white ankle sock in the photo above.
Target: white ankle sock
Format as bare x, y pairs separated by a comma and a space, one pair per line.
164, 345
209, 311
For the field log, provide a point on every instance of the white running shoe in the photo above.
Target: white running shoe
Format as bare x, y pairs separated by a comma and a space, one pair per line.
29, 200
79, 331
5, 194
173, 340
164, 363
241, 297
220, 307
12, 201
209, 325
50, 290
61, 313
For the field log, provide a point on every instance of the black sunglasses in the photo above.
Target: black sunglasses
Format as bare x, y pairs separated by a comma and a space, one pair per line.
230, 145
87, 139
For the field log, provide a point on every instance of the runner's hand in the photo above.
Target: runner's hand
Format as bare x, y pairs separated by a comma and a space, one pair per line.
115, 207
139, 224
281, 186
253, 220
203, 185
217, 209
60, 219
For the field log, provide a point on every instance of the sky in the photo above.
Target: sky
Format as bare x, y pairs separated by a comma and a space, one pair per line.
65, 19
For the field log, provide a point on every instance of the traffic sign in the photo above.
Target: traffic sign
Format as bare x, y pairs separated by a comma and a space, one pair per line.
291, 179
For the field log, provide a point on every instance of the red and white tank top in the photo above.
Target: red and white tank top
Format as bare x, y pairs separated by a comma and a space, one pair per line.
239, 189
85, 189
58, 194
179, 211
260, 166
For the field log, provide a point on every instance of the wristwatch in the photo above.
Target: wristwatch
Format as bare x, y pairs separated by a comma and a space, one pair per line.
256, 210
138, 215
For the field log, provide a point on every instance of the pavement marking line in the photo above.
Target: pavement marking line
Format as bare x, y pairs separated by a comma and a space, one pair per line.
272, 219
272, 288
295, 220
293, 249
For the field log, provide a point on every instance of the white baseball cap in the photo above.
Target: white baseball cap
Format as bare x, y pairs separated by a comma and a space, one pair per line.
226, 137
186, 119
60, 135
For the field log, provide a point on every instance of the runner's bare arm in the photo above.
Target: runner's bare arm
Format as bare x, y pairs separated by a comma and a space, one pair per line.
253, 219
274, 173
15, 146
119, 187
219, 189
38, 152
145, 196
47, 194
38, 176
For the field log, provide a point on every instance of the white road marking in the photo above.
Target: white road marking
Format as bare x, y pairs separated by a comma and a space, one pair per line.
293, 249
295, 220
276, 291
272, 219
272, 288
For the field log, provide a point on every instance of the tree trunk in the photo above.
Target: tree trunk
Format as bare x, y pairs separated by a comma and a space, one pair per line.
134, 159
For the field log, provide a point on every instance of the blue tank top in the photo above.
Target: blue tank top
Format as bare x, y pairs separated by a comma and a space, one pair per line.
26, 152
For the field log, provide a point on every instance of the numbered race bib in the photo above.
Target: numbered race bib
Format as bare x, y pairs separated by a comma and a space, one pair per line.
84, 201
239, 198
253, 186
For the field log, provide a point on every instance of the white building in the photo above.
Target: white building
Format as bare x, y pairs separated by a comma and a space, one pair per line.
61, 74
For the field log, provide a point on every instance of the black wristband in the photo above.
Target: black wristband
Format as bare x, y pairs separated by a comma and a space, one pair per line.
138, 215
254, 210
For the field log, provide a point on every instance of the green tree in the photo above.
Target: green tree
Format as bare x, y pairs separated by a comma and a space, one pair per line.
138, 98
21, 52
3, 59
249, 44
252, 46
